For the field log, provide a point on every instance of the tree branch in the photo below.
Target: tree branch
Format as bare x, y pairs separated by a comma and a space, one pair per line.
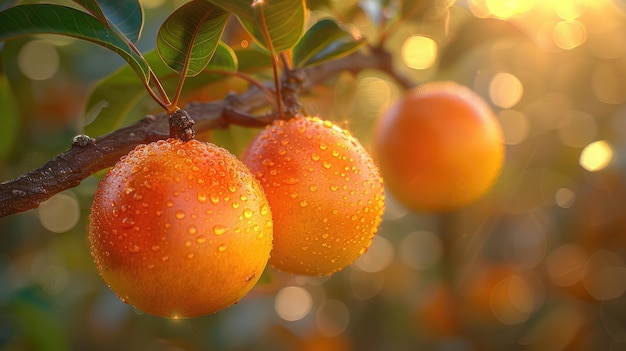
87, 156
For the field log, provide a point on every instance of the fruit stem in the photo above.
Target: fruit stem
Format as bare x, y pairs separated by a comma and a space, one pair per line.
181, 125
270, 46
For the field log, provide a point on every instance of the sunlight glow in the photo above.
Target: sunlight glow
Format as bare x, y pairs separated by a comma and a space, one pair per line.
596, 156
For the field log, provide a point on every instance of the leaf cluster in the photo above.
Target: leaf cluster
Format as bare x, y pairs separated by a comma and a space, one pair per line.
190, 52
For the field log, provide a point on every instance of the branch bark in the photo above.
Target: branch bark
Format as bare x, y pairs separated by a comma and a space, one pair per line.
87, 156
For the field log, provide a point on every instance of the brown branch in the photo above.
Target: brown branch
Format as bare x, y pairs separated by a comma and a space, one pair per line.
87, 156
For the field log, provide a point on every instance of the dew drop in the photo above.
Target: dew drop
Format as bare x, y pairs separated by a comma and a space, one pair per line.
214, 199
315, 157
323, 146
247, 213
180, 153
133, 248
192, 230
169, 204
313, 188
150, 266
282, 152
293, 195
264, 210
221, 248
180, 214
303, 203
260, 236
190, 255
326, 164
147, 184
128, 222
165, 258
155, 248
201, 239
137, 196
291, 181
219, 229
188, 243
201, 197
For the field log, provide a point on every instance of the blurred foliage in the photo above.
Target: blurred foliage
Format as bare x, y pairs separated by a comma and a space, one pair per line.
538, 264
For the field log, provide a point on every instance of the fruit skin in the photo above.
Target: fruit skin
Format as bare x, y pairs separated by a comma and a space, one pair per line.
325, 193
180, 229
439, 148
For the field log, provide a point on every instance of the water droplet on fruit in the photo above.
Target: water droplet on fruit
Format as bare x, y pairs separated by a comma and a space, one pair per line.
201, 239
315, 157
291, 181
190, 255
180, 214
247, 213
323, 146
214, 199
155, 248
264, 210
313, 188
180, 153
303, 203
201, 197
133, 248
188, 243
128, 222
260, 236
169, 204
219, 229
192, 230
165, 258
221, 248
137, 196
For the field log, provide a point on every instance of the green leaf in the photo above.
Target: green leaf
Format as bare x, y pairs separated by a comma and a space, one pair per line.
253, 60
10, 118
55, 19
323, 42
123, 16
285, 20
188, 38
119, 99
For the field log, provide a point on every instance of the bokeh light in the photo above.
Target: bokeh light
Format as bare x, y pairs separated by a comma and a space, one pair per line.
293, 303
419, 52
60, 213
512, 300
569, 34
378, 256
505, 90
332, 318
605, 275
38, 60
596, 156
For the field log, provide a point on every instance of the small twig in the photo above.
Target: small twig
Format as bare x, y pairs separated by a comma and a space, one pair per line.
87, 156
